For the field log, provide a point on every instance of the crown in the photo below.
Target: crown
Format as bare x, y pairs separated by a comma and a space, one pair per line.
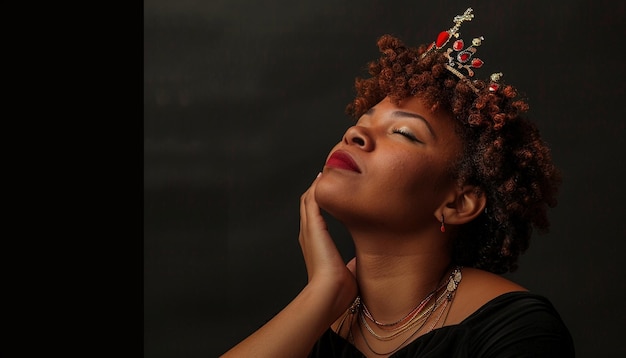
461, 58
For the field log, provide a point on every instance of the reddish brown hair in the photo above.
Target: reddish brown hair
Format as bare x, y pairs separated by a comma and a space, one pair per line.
504, 156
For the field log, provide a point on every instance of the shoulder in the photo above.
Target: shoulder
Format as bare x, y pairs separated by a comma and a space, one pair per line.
506, 319
480, 280
519, 324
478, 287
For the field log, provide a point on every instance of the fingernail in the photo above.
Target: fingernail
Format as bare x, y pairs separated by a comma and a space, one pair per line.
319, 174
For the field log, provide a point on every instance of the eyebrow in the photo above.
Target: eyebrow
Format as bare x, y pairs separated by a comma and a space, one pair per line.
409, 115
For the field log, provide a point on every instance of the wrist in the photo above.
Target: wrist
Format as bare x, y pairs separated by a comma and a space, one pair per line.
335, 295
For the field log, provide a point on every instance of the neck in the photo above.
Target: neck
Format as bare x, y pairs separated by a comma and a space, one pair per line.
395, 272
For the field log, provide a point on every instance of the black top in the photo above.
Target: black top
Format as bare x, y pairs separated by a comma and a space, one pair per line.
515, 324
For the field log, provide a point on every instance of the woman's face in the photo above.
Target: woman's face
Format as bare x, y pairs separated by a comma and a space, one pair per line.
391, 168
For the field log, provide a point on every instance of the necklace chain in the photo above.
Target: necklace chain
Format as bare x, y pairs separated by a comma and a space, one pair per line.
409, 316
417, 317
405, 327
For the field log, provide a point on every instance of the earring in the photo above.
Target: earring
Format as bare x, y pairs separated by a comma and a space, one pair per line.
443, 227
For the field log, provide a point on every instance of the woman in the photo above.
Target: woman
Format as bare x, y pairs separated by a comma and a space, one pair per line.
440, 184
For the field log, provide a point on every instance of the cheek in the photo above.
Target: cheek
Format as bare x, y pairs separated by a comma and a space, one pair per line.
410, 173
414, 183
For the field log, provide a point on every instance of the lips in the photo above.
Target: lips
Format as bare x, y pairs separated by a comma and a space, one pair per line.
342, 160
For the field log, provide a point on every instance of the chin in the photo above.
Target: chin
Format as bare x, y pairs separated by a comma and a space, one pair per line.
341, 201
331, 198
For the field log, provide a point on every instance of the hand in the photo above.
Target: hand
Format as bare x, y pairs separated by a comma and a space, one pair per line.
331, 289
324, 264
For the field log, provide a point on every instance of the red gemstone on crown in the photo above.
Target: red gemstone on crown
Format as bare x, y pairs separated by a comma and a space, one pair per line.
458, 45
463, 57
442, 38
477, 63
493, 87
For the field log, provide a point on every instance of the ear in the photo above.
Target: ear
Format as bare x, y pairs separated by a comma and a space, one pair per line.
464, 206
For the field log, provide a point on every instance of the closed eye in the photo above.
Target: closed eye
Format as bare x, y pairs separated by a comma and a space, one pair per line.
405, 133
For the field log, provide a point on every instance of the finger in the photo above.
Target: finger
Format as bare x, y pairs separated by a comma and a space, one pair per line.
308, 205
309, 210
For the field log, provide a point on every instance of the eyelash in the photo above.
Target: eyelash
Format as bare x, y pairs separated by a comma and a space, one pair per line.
405, 133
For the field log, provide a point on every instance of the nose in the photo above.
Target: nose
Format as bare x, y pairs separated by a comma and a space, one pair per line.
360, 137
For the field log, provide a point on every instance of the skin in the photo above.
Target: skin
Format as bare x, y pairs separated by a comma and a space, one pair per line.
392, 208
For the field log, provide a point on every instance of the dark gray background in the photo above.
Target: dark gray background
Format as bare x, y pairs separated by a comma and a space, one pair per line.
244, 99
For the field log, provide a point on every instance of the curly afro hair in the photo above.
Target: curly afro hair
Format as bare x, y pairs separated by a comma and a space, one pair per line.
504, 156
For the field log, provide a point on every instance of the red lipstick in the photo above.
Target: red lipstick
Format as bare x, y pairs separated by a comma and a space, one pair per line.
342, 160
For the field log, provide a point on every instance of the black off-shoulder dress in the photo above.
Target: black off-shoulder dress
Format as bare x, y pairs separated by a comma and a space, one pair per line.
515, 324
